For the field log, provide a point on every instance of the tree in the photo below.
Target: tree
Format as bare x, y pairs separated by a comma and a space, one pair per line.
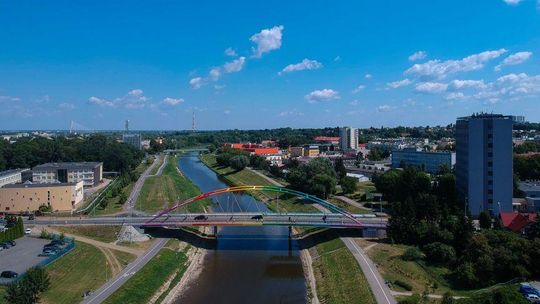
239, 162
533, 231
439, 253
349, 184
339, 167
28, 289
448, 298
485, 219
315, 177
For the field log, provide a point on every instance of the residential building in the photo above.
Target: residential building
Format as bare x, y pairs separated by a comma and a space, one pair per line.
531, 189
518, 119
15, 176
348, 138
296, 151
311, 150
327, 140
431, 162
484, 172
132, 139
90, 173
17, 198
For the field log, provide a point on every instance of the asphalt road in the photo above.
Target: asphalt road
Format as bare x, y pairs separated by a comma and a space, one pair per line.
134, 195
225, 219
115, 283
380, 290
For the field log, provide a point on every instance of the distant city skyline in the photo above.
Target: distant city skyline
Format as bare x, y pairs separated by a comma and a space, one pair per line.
256, 66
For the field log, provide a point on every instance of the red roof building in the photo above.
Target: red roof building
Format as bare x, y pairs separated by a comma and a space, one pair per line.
516, 222
253, 148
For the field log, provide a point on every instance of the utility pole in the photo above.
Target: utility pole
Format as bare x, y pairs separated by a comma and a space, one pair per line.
193, 121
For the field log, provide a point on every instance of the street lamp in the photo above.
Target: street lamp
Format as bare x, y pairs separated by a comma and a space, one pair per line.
499, 203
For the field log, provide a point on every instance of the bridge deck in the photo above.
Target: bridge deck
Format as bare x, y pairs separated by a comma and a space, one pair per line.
225, 219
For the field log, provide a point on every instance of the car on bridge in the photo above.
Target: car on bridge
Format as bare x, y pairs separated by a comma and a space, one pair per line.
257, 217
9, 274
200, 217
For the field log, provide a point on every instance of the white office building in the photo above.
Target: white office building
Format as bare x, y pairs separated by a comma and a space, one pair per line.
348, 138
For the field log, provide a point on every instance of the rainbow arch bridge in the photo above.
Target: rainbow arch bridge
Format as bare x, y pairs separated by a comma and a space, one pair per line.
331, 216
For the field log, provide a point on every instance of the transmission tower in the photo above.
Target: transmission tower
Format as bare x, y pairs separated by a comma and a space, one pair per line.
193, 121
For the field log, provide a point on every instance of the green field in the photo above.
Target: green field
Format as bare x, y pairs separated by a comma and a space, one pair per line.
338, 276
143, 285
159, 192
417, 274
100, 233
244, 177
83, 268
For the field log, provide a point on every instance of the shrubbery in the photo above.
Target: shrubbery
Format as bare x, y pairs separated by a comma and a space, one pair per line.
15, 231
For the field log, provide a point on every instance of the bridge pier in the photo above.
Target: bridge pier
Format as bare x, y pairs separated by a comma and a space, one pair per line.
290, 232
215, 229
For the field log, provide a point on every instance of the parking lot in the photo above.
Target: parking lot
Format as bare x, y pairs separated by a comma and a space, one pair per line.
22, 256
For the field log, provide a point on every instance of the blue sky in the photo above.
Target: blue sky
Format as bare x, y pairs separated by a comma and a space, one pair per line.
255, 64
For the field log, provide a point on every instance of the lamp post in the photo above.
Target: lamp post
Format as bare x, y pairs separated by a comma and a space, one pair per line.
499, 203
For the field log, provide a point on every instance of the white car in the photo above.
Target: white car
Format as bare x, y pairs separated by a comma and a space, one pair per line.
27, 231
533, 298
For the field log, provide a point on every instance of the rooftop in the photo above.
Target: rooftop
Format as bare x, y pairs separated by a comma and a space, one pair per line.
484, 116
11, 172
32, 185
68, 165
529, 186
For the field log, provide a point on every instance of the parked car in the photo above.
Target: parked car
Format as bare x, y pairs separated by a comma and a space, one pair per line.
57, 242
9, 274
533, 298
527, 289
48, 252
31, 217
5, 245
27, 231
12, 243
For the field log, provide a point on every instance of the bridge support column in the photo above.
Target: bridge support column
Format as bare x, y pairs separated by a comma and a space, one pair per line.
290, 232
215, 231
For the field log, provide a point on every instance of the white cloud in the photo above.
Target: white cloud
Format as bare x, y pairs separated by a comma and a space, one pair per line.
134, 99
400, 83
512, 2
463, 84
215, 73
230, 52
66, 106
322, 95
385, 108
354, 102
100, 102
305, 64
431, 87
196, 82
514, 59
358, 89
227, 112
9, 99
417, 56
368, 76
267, 40
438, 69
338, 58
290, 113
455, 96
235, 65
219, 86
172, 101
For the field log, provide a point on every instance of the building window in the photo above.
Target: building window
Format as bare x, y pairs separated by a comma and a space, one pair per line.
490, 173
490, 154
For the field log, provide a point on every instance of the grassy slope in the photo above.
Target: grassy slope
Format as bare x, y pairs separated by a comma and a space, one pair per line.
348, 207
81, 269
142, 286
105, 234
162, 191
392, 268
338, 275
247, 177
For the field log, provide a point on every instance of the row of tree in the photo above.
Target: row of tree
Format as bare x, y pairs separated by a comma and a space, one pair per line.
425, 212
15, 229
29, 152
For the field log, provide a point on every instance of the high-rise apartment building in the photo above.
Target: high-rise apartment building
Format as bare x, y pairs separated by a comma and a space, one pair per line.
484, 171
348, 138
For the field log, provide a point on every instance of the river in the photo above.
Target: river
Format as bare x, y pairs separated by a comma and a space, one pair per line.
250, 264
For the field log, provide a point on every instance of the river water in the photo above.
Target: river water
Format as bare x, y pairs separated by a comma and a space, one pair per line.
249, 264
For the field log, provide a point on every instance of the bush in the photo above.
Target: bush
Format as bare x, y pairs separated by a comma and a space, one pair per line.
439, 253
349, 184
403, 285
412, 254
239, 162
28, 289
414, 299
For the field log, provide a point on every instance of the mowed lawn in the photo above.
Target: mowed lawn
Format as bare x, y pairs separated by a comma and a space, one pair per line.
159, 192
338, 276
100, 233
144, 284
82, 269
274, 201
